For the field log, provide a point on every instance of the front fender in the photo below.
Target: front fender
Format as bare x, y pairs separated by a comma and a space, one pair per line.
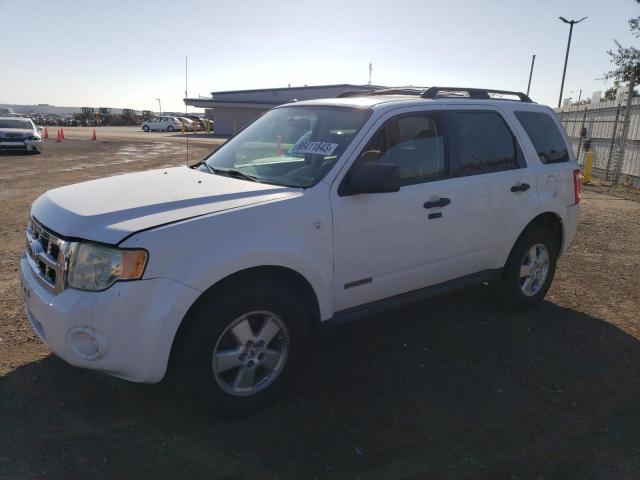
294, 233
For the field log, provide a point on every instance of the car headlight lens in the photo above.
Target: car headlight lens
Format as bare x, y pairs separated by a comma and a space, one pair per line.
96, 267
34, 137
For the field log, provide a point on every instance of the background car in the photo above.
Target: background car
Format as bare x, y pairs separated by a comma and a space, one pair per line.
170, 124
19, 135
188, 123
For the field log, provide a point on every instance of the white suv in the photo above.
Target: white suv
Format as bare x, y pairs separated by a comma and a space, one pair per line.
319, 212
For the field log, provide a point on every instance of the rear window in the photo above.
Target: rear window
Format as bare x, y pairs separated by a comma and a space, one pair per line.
481, 142
545, 136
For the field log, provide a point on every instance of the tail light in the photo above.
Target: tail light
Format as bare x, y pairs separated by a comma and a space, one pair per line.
577, 185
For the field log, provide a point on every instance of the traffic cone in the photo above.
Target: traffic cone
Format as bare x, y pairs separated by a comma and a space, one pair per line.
93, 137
279, 146
61, 134
58, 137
46, 132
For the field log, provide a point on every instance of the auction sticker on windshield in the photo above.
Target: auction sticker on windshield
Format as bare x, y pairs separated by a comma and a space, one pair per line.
320, 148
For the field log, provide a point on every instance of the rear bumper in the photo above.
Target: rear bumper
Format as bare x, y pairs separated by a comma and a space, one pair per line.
125, 331
570, 226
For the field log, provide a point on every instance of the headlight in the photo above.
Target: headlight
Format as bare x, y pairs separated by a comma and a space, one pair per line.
34, 137
97, 267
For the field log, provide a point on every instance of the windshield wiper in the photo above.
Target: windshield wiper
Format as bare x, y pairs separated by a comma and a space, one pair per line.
206, 165
234, 173
230, 172
238, 174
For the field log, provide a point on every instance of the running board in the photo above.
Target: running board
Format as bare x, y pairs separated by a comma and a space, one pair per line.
368, 309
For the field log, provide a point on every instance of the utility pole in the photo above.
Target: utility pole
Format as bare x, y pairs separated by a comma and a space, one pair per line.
370, 72
533, 61
566, 58
159, 105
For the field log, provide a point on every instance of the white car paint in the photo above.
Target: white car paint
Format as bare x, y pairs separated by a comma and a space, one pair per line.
200, 228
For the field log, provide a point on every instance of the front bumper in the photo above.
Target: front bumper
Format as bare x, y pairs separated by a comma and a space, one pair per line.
125, 331
21, 146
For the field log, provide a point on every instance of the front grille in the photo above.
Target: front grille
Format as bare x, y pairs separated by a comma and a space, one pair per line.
47, 256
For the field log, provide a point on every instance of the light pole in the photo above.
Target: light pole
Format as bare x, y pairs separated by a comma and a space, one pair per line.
566, 58
159, 105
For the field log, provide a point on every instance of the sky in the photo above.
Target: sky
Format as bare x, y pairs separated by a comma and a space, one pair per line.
126, 54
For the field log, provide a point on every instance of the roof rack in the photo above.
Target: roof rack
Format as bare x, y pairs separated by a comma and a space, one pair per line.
475, 93
383, 91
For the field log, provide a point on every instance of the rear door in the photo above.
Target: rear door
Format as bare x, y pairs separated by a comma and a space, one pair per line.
489, 164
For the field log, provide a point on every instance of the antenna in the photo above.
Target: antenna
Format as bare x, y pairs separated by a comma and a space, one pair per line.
370, 71
186, 95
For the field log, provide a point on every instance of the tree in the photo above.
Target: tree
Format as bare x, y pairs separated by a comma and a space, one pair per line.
625, 59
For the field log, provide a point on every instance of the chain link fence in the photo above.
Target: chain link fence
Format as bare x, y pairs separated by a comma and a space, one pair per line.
601, 127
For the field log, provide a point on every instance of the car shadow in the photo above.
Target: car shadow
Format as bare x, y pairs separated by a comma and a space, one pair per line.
449, 387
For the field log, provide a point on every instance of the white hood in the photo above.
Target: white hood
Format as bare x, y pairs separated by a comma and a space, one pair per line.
110, 209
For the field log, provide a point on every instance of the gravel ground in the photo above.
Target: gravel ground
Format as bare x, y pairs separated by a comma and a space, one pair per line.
452, 387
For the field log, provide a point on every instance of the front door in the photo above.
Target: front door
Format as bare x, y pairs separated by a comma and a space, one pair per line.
386, 243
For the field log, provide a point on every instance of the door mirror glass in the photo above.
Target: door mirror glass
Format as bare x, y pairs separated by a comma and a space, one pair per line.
373, 178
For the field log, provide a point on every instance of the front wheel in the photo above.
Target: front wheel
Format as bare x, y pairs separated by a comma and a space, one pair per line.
145, 128
170, 128
529, 271
241, 348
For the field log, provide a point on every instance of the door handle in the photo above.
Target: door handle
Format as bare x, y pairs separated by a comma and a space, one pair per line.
523, 187
441, 202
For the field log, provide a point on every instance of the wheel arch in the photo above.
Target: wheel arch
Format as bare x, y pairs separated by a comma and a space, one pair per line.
552, 221
266, 274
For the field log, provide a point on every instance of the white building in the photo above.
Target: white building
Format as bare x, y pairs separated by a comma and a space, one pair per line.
232, 110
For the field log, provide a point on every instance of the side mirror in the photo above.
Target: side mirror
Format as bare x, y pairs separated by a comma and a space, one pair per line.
372, 178
39, 129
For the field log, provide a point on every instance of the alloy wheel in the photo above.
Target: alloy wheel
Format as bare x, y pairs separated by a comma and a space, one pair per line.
250, 353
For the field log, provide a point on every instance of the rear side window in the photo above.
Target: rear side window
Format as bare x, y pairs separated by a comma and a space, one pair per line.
545, 136
481, 142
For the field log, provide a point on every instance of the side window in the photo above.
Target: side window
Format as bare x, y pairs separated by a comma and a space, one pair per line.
481, 142
545, 136
415, 143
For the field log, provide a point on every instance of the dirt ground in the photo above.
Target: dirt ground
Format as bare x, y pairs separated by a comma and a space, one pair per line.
452, 387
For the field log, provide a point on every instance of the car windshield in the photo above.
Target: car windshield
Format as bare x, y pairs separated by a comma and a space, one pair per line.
293, 146
16, 123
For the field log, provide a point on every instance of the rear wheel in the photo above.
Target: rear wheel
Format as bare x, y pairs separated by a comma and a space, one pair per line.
241, 348
170, 128
529, 271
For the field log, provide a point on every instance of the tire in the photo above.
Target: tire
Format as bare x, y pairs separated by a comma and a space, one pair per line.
170, 128
146, 128
516, 289
215, 325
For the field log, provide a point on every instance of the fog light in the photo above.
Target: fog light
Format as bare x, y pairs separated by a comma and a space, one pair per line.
87, 342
